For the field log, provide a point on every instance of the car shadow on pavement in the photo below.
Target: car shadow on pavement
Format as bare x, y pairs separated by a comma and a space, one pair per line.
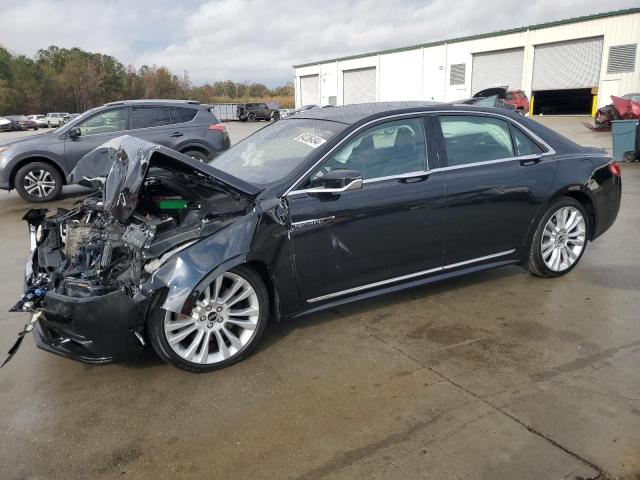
276, 331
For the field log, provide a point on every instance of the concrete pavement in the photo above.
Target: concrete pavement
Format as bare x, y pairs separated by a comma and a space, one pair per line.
496, 375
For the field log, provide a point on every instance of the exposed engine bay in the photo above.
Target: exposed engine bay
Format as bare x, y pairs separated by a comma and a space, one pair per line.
151, 226
85, 251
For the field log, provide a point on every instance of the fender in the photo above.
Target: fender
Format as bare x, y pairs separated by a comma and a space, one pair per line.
560, 192
19, 159
194, 143
188, 269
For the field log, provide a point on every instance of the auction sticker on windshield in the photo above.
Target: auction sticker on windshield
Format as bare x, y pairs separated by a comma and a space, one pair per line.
310, 139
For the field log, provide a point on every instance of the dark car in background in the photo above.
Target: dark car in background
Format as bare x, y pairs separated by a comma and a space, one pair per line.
252, 112
37, 166
22, 122
323, 208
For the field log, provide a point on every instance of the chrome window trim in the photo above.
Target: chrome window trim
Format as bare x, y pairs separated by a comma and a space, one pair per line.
550, 150
409, 276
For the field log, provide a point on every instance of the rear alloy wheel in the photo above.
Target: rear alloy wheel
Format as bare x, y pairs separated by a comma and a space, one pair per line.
38, 182
560, 239
198, 155
251, 117
223, 327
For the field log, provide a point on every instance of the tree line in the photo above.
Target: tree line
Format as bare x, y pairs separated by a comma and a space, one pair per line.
73, 80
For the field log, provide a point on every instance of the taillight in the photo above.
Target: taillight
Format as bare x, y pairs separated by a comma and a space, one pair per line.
219, 127
614, 168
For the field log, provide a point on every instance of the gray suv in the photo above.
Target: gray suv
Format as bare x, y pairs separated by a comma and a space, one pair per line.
37, 166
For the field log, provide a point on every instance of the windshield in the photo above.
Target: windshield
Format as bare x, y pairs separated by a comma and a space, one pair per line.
275, 151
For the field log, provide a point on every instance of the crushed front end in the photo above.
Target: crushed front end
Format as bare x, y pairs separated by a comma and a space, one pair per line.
88, 267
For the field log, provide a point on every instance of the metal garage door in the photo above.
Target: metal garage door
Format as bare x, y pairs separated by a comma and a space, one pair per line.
497, 69
310, 90
566, 65
359, 85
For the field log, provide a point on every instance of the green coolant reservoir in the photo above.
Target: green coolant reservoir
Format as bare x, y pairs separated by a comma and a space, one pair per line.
172, 204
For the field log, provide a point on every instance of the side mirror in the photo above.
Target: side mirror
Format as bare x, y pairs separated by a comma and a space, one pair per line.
74, 133
337, 181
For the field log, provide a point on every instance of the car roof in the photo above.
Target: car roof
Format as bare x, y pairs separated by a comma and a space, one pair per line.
351, 114
154, 101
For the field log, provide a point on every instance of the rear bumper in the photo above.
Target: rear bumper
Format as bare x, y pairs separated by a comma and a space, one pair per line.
607, 205
92, 330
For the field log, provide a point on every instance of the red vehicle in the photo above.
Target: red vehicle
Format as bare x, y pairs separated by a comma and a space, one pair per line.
517, 98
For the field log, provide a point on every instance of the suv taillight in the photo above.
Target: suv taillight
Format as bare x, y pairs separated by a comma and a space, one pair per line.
219, 127
614, 168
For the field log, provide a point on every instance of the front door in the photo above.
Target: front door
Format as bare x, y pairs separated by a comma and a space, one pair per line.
390, 228
496, 177
94, 131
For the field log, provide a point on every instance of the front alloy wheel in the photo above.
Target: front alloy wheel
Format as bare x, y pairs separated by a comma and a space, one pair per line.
223, 326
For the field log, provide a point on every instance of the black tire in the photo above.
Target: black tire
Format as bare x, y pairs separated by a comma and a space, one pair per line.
535, 262
276, 117
157, 337
251, 117
198, 155
20, 180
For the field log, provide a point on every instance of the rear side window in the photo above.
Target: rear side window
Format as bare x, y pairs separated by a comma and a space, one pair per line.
471, 139
144, 117
182, 114
524, 145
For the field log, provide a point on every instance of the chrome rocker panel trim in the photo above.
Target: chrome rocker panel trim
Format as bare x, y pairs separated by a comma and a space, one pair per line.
409, 276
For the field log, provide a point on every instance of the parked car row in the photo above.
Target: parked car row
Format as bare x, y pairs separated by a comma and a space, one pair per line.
34, 121
37, 166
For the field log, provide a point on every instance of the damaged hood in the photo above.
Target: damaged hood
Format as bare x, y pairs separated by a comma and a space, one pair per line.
120, 166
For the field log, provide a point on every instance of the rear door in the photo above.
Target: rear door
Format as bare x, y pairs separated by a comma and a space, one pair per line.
496, 175
94, 131
153, 123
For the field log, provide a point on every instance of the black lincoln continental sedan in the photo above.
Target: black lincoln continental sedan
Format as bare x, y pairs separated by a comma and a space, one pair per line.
324, 207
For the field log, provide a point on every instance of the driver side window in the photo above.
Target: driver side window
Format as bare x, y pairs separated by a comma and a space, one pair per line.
104, 122
388, 149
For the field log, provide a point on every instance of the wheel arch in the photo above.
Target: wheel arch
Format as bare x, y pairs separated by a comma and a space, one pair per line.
262, 270
33, 159
578, 193
582, 196
195, 146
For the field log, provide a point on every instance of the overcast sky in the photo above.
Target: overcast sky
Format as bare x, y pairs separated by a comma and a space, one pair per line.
259, 40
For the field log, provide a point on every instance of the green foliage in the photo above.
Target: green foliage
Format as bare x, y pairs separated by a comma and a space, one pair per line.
72, 80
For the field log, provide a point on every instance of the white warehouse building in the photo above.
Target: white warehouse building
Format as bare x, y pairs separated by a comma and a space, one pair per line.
569, 66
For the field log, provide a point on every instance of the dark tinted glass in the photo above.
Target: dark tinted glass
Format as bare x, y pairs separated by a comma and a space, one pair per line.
524, 145
471, 139
182, 114
144, 117
386, 150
